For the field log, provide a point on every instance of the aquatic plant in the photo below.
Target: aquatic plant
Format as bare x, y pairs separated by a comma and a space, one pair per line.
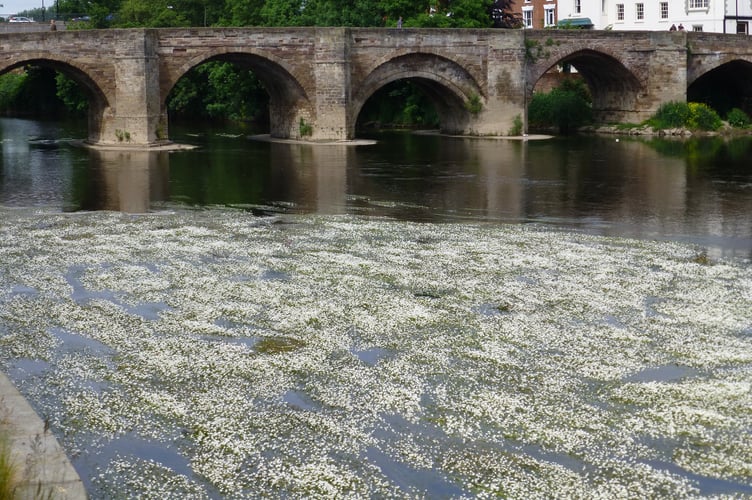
204, 353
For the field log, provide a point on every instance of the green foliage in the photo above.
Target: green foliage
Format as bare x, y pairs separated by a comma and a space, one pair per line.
305, 129
365, 13
37, 94
400, 104
71, 95
474, 104
245, 13
670, 115
123, 135
703, 117
516, 127
282, 13
152, 14
533, 50
219, 90
10, 87
566, 107
738, 118
693, 115
41, 92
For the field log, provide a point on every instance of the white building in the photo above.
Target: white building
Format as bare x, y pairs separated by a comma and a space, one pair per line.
715, 16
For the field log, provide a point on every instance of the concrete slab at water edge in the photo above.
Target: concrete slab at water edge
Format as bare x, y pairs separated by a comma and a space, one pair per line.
42, 468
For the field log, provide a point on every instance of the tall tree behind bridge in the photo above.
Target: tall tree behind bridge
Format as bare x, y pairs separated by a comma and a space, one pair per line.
502, 16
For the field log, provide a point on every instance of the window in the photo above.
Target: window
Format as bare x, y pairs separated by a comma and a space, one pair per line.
664, 10
697, 27
578, 6
698, 4
550, 18
619, 11
640, 11
527, 17
742, 28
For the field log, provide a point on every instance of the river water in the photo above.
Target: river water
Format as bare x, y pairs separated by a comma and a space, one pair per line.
419, 316
697, 191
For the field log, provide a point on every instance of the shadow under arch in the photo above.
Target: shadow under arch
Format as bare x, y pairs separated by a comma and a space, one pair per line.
724, 87
99, 105
614, 88
446, 84
287, 97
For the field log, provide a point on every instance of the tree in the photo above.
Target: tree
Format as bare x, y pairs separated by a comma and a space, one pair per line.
282, 13
237, 13
502, 15
71, 8
454, 14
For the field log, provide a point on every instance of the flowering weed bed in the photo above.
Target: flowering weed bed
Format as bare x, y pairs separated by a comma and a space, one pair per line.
201, 354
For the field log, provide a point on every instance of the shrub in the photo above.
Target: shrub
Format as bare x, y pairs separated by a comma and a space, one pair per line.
693, 115
703, 117
738, 118
516, 128
10, 87
304, 129
565, 107
474, 105
670, 115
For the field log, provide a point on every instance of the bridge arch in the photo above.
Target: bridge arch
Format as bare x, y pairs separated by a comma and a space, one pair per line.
614, 89
99, 103
288, 99
723, 87
447, 85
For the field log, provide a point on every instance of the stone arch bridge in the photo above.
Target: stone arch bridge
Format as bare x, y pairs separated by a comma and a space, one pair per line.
479, 80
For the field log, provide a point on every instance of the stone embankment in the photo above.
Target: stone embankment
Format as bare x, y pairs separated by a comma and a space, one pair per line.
42, 469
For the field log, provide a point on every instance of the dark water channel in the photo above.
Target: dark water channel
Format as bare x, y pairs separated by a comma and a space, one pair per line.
698, 191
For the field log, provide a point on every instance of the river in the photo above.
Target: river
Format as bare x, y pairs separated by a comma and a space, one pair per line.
698, 191
417, 316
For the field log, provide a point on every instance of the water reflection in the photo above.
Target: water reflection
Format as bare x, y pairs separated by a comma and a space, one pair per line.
313, 177
129, 181
696, 191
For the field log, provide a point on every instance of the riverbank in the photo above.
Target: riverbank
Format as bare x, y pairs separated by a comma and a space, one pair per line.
680, 132
41, 467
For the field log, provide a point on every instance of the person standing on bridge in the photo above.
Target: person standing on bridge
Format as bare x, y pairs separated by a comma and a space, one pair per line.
53, 26
399, 22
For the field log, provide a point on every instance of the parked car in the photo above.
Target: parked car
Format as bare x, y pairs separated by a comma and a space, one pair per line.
81, 19
20, 19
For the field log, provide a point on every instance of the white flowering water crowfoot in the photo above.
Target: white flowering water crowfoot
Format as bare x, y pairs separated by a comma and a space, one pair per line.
311, 356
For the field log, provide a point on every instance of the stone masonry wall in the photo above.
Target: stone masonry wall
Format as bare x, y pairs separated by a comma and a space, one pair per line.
318, 79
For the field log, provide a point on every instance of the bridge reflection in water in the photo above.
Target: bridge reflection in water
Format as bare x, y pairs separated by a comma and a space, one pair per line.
313, 177
691, 191
622, 188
